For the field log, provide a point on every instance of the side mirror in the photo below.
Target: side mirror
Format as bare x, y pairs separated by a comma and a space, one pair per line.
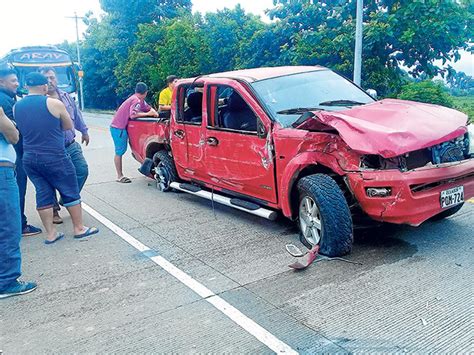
261, 130
372, 93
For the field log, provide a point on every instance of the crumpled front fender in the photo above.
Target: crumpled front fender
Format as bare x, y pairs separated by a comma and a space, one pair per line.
293, 169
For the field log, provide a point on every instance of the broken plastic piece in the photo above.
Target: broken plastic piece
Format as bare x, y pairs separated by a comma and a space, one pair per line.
306, 260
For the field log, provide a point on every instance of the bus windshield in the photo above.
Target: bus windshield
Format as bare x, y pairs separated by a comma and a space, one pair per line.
65, 76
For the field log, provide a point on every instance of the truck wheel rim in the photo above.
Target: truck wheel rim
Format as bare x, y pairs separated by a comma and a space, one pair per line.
161, 178
310, 220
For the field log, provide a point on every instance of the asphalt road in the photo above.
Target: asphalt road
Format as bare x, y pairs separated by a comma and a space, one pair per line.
177, 276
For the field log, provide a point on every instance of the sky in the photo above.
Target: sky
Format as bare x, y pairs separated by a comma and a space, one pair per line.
45, 22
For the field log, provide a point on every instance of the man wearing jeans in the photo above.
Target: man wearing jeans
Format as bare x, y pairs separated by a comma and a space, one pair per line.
8, 86
41, 121
72, 147
10, 219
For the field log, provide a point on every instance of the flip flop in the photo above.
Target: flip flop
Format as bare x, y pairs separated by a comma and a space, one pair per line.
89, 231
58, 237
124, 180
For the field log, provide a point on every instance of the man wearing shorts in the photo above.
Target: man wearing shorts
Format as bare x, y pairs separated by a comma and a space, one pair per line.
134, 107
41, 121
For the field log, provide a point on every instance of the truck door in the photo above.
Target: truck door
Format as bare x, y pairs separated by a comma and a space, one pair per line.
238, 152
186, 131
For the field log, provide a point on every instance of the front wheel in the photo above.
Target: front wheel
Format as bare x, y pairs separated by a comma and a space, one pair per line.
323, 216
165, 171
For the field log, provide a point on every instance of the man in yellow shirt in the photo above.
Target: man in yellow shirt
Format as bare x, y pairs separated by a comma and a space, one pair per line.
164, 100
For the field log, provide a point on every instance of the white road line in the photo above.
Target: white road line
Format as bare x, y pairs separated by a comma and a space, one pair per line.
264, 336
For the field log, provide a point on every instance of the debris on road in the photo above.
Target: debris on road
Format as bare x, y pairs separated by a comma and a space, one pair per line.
308, 257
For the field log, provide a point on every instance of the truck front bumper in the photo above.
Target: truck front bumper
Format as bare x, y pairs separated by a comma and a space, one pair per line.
414, 195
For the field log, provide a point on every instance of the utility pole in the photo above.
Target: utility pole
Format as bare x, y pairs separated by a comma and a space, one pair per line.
358, 42
80, 73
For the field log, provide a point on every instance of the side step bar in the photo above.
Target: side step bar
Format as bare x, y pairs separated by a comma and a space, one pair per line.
236, 203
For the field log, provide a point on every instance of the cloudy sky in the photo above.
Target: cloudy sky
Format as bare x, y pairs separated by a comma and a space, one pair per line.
33, 22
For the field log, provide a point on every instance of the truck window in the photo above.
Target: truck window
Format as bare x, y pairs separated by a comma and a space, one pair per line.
229, 110
189, 105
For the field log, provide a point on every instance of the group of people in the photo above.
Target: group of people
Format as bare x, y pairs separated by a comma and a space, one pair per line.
135, 107
37, 141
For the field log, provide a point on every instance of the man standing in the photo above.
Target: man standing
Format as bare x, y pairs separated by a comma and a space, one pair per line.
41, 121
8, 86
134, 107
164, 100
72, 147
10, 219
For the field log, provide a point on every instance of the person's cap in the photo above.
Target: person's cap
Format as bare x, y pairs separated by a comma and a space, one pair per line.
36, 79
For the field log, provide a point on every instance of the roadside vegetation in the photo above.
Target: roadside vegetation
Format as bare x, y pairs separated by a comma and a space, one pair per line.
466, 105
164, 37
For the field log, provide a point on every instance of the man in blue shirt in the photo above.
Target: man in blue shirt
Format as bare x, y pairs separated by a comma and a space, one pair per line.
73, 148
8, 86
10, 219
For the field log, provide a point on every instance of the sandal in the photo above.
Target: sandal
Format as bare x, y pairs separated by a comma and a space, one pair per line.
124, 180
89, 231
58, 237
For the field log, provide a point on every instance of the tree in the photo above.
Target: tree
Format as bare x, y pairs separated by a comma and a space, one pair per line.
99, 61
227, 33
396, 33
427, 91
189, 45
461, 84
107, 43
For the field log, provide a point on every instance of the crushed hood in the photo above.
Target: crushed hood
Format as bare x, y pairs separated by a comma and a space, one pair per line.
392, 127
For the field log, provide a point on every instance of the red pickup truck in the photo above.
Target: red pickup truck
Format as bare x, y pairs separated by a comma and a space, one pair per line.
308, 143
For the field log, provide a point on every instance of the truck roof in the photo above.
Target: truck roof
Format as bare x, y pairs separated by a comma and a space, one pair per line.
256, 74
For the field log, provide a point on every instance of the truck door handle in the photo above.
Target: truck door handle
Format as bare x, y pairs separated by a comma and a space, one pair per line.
212, 141
179, 133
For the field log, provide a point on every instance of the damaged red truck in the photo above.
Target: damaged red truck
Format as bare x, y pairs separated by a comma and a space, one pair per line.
311, 144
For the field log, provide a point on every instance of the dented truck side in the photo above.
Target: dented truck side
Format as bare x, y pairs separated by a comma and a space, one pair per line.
327, 156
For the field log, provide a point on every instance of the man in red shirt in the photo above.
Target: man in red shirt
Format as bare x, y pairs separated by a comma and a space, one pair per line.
134, 107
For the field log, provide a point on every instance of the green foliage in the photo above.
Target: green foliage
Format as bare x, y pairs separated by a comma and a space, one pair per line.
149, 39
466, 105
396, 32
461, 84
107, 43
189, 45
427, 91
99, 60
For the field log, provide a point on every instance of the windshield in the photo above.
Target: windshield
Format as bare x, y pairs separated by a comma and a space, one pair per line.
287, 97
65, 76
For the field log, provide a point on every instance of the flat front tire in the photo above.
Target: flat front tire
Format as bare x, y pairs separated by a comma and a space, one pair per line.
324, 217
165, 170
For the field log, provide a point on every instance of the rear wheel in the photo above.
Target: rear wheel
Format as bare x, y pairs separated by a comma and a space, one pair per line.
447, 213
165, 171
324, 218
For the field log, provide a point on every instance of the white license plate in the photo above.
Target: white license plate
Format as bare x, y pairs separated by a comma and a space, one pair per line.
452, 197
